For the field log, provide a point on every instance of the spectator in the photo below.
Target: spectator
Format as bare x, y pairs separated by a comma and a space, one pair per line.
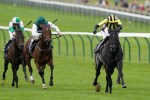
85, 1
134, 5
124, 4
116, 2
103, 3
147, 5
141, 7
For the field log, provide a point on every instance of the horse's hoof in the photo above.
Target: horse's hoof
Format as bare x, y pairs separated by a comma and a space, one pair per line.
124, 86
50, 83
94, 83
44, 86
3, 78
118, 82
26, 79
12, 85
3, 82
98, 87
106, 91
32, 82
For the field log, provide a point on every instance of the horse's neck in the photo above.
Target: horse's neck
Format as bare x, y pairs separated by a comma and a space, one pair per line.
42, 44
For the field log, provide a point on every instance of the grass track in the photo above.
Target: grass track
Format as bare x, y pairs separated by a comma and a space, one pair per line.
73, 81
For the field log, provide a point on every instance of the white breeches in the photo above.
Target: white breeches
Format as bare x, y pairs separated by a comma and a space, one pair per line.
104, 33
11, 35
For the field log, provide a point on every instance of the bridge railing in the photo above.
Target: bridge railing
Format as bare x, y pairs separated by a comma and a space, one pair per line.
136, 46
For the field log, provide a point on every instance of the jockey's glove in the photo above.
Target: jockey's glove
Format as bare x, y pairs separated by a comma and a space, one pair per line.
95, 29
14, 33
119, 27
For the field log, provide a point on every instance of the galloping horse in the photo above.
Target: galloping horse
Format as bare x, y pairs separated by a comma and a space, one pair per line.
110, 56
42, 55
15, 57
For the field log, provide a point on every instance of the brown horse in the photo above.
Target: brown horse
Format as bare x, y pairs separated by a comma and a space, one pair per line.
42, 55
15, 57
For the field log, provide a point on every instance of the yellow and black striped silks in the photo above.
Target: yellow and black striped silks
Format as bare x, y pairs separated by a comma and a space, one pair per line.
112, 22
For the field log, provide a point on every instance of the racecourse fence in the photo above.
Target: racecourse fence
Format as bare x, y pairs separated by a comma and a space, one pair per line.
136, 46
128, 19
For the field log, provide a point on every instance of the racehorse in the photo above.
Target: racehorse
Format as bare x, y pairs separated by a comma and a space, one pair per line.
42, 55
15, 57
111, 56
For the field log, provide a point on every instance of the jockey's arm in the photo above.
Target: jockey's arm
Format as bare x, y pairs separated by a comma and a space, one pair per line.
55, 27
34, 30
99, 24
21, 26
119, 25
11, 29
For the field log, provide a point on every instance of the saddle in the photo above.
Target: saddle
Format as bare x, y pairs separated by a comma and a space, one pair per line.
31, 46
7, 47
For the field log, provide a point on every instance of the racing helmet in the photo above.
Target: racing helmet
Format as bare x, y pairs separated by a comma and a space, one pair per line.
16, 20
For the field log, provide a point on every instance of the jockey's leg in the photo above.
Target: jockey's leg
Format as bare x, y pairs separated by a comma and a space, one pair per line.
96, 50
6, 46
32, 44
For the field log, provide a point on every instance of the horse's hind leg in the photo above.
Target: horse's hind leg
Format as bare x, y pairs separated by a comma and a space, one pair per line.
120, 74
24, 70
51, 77
28, 60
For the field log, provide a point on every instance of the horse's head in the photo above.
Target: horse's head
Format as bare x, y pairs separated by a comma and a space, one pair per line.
46, 34
19, 39
113, 40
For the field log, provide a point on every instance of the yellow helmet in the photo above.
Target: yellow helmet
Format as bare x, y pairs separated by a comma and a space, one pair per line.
112, 18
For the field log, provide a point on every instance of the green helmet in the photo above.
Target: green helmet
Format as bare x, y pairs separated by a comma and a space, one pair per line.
41, 20
16, 20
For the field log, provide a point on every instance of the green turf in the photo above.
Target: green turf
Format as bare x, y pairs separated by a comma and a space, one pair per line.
73, 81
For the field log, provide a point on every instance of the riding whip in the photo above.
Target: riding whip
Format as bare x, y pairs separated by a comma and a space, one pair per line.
54, 21
28, 24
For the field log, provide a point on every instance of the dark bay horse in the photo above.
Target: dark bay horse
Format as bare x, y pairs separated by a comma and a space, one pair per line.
15, 57
110, 56
42, 55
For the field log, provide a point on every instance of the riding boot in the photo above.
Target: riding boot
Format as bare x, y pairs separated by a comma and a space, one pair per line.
96, 50
31, 46
6, 46
51, 44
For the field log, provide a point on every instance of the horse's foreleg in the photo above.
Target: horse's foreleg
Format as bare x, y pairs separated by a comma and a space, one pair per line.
41, 73
15, 77
51, 77
97, 68
108, 80
5, 69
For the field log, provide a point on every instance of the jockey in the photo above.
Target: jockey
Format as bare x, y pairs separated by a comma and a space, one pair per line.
13, 25
112, 22
37, 30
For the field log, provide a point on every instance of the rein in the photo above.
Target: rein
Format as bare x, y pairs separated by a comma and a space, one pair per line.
45, 49
55, 37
